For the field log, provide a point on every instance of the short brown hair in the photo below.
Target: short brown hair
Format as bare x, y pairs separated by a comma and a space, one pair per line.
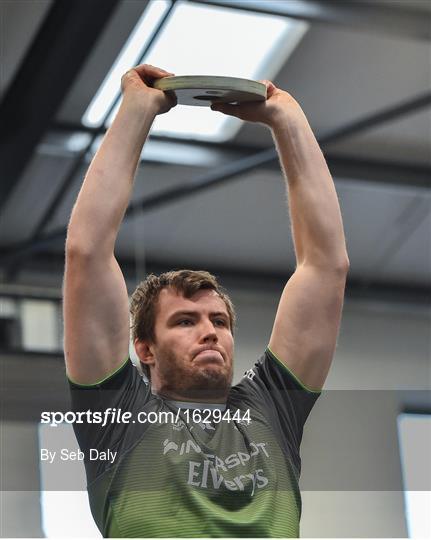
186, 282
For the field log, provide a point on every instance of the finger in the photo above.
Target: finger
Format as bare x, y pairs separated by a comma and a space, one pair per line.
152, 71
225, 108
172, 98
130, 74
270, 87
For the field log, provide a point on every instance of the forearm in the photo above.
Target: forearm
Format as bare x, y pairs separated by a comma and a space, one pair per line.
314, 209
108, 184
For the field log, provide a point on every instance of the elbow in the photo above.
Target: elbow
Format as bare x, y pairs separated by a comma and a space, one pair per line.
78, 249
343, 265
339, 260
81, 246
335, 264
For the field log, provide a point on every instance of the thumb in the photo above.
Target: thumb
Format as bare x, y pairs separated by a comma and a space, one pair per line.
270, 87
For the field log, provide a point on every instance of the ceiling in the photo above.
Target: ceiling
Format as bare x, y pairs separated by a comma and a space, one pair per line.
362, 74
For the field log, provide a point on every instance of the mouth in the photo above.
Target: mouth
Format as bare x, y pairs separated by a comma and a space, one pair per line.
209, 355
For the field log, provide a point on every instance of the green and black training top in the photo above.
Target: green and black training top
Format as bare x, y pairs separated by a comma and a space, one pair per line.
182, 478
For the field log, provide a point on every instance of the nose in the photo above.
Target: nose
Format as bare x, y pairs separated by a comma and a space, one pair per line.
209, 333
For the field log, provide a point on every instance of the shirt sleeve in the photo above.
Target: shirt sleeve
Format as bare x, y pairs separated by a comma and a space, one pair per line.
123, 391
276, 393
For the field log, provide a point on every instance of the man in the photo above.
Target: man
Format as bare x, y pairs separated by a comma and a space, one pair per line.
227, 463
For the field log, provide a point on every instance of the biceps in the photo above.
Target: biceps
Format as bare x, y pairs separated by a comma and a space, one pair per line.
307, 323
95, 317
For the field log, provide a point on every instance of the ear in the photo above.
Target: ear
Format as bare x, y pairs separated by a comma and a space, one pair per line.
145, 352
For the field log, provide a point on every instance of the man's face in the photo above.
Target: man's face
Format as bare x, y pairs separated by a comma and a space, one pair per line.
193, 349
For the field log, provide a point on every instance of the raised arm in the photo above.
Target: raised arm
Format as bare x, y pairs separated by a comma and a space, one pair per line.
309, 313
96, 308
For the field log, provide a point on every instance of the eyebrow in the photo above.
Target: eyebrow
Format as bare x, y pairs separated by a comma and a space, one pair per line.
196, 314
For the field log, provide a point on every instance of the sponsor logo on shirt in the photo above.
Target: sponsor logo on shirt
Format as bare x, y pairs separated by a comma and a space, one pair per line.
179, 425
249, 374
207, 473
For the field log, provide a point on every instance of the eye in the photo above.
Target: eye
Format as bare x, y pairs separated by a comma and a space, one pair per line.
220, 322
185, 322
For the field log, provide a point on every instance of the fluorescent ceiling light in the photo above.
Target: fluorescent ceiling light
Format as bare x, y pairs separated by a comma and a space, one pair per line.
129, 56
208, 40
415, 448
204, 40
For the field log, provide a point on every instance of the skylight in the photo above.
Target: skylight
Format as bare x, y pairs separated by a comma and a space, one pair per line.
208, 40
128, 57
200, 40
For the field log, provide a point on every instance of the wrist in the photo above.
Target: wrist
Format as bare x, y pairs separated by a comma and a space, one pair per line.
285, 123
139, 104
285, 115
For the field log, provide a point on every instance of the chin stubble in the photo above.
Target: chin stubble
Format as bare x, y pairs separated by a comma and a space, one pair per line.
204, 382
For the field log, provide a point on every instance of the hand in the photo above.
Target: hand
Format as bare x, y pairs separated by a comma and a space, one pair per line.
265, 112
137, 83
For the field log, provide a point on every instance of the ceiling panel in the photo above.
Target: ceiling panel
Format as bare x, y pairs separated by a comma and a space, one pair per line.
416, 5
244, 225
20, 20
414, 254
221, 227
100, 60
379, 226
407, 140
32, 196
340, 76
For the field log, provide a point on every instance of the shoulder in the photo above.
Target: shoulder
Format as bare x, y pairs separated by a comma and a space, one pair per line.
124, 388
126, 373
270, 372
